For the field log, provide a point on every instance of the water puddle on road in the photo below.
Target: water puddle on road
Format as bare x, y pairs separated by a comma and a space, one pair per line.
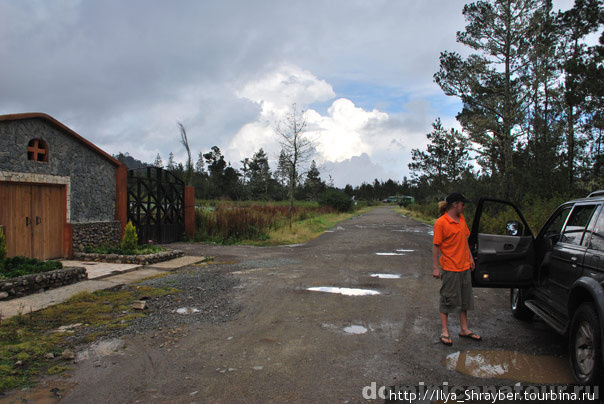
344, 291
386, 276
101, 349
355, 329
401, 250
388, 253
187, 310
510, 365
427, 230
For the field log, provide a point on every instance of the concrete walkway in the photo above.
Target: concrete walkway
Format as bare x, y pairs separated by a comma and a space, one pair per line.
101, 275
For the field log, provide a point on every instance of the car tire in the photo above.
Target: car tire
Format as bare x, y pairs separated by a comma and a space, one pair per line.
585, 345
519, 310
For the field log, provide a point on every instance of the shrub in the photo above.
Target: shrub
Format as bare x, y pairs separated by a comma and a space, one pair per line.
336, 200
18, 266
3, 249
130, 240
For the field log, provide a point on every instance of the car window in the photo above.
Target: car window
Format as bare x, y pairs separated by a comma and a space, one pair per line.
554, 227
577, 222
597, 237
501, 219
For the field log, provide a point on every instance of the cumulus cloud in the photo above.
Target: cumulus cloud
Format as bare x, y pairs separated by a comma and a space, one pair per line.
345, 135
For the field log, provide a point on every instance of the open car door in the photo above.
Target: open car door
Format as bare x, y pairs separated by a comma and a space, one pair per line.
502, 245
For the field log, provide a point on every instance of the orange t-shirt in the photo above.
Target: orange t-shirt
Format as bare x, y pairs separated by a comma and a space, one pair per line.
451, 237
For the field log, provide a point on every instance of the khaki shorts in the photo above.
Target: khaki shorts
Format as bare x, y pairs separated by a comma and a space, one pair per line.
456, 291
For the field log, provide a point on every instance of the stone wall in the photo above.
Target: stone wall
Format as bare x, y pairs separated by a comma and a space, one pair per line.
96, 234
28, 284
92, 177
146, 259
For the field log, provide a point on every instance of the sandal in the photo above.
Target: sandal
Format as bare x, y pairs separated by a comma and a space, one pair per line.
446, 340
472, 336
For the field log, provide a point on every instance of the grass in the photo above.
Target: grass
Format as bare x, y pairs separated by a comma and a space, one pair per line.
230, 223
19, 266
28, 338
263, 223
416, 215
494, 216
304, 230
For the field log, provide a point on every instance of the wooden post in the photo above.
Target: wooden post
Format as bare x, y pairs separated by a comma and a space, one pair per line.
190, 211
121, 195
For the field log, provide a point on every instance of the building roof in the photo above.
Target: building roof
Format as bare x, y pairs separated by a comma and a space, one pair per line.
62, 128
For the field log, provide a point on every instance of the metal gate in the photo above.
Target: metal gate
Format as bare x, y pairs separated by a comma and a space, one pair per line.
156, 204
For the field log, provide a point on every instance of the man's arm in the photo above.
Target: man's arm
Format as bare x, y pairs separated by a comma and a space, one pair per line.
435, 264
472, 263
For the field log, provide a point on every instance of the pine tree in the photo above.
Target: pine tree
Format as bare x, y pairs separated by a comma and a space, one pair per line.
489, 81
171, 163
445, 159
158, 161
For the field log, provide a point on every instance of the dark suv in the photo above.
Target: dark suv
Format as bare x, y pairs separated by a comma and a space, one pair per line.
558, 275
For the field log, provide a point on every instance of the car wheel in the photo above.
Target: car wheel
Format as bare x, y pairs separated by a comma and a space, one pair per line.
585, 345
519, 310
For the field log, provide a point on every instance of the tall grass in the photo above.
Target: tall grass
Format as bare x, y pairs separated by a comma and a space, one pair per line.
228, 222
492, 221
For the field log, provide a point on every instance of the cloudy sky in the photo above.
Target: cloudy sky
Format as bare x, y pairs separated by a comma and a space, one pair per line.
123, 73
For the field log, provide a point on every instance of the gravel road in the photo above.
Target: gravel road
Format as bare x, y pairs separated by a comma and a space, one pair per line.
260, 336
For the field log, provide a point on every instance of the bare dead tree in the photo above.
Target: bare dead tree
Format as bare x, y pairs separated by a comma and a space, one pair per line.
185, 142
296, 149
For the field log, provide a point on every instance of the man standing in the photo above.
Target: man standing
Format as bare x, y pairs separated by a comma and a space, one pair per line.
451, 241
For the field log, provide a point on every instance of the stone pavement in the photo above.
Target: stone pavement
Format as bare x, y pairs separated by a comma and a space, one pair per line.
101, 275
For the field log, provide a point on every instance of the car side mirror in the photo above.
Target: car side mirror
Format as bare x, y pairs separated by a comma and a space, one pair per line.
514, 228
551, 240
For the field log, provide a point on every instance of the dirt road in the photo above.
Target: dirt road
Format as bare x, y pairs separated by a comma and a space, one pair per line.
290, 344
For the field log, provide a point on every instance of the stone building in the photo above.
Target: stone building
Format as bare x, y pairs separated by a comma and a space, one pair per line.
58, 191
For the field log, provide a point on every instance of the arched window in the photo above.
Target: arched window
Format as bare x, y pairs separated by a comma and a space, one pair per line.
37, 150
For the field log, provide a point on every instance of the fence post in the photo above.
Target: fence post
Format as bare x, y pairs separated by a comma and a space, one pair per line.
190, 211
121, 196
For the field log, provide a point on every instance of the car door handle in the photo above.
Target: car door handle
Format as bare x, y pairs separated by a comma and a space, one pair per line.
508, 246
573, 259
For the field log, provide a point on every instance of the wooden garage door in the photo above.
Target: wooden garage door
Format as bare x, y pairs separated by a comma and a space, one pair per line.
32, 216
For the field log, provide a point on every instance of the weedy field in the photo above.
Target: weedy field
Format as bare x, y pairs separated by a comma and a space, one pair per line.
262, 223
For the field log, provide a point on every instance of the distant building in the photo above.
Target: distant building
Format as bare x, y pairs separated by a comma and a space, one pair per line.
58, 191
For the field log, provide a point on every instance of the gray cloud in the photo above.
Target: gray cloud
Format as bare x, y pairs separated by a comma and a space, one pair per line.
122, 73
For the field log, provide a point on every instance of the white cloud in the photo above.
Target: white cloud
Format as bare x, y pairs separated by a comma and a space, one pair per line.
353, 144
287, 84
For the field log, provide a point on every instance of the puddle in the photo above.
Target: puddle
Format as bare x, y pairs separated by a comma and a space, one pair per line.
416, 230
355, 329
47, 392
187, 310
293, 245
66, 328
247, 271
388, 253
386, 276
101, 349
511, 365
400, 250
344, 291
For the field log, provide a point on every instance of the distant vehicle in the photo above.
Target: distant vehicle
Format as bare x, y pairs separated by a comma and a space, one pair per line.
400, 200
558, 275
